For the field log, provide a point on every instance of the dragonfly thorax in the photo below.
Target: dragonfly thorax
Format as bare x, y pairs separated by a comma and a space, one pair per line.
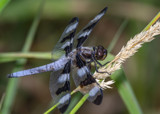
85, 53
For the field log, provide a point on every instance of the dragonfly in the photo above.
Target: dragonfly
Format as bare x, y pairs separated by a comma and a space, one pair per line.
76, 61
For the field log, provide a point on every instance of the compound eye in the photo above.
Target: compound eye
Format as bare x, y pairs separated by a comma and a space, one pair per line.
100, 54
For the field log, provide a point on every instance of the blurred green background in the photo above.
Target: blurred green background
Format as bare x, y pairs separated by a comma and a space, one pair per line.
142, 70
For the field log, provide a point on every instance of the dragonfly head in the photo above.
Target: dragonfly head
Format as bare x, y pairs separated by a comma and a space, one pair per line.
100, 52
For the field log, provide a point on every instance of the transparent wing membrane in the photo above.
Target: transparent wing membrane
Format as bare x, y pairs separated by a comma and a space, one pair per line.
83, 78
60, 87
65, 43
85, 32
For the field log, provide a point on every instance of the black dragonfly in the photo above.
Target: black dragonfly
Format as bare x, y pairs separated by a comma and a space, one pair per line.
75, 61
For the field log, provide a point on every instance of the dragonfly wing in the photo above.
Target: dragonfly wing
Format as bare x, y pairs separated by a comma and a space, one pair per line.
60, 87
65, 43
85, 32
79, 72
95, 94
83, 78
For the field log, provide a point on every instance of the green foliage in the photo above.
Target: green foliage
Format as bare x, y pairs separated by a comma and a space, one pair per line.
13, 83
3, 4
28, 9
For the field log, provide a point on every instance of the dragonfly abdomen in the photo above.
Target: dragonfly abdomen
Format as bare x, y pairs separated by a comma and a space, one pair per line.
54, 66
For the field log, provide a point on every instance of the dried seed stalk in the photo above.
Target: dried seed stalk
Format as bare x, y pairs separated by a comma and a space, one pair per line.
130, 49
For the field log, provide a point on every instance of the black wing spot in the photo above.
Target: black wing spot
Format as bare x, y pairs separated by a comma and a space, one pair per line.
70, 36
66, 87
74, 19
64, 108
81, 40
90, 26
67, 67
99, 98
79, 62
87, 81
104, 10
68, 49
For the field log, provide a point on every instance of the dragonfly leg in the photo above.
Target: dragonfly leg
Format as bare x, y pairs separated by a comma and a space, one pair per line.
96, 62
101, 65
99, 71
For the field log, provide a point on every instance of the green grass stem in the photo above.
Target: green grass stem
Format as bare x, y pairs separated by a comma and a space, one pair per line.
119, 77
13, 83
3, 4
156, 18
117, 35
80, 103
51, 109
12, 56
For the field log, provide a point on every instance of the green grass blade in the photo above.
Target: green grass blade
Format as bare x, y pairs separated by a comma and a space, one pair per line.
75, 99
33, 29
12, 56
80, 103
124, 87
156, 18
126, 92
2, 99
122, 84
51, 109
13, 83
5, 60
117, 35
3, 4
